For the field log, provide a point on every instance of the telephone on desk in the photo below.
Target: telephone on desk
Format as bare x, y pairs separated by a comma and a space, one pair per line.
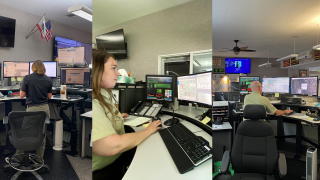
146, 109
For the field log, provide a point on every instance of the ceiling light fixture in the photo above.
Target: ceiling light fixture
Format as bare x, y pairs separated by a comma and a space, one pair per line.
291, 55
268, 64
82, 11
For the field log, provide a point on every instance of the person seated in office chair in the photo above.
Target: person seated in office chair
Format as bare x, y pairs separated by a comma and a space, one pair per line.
37, 87
256, 98
110, 143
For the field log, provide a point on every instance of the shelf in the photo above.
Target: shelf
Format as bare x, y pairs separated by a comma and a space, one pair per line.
306, 65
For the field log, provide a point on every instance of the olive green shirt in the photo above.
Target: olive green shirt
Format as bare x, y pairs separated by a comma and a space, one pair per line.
256, 98
103, 127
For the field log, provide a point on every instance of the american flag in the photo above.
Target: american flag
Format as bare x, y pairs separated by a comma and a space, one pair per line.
49, 33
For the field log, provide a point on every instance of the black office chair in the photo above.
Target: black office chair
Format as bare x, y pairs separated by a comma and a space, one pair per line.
26, 134
254, 153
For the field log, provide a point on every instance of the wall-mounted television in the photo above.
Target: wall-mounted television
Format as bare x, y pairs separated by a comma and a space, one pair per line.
61, 42
7, 31
114, 43
236, 65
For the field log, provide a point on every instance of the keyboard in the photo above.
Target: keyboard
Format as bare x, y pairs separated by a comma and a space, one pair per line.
69, 96
186, 149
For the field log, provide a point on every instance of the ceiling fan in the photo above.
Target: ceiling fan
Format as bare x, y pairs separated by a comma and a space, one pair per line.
236, 50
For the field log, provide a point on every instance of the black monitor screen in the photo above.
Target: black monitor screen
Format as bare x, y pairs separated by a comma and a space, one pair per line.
75, 76
7, 31
304, 86
159, 87
245, 84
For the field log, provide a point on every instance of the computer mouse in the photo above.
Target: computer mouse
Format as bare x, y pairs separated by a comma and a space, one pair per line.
291, 113
84, 89
68, 97
156, 119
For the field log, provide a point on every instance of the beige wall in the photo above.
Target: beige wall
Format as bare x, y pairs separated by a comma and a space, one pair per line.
34, 47
182, 28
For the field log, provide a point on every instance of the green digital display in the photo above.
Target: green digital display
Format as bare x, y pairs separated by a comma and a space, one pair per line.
162, 86
218, 70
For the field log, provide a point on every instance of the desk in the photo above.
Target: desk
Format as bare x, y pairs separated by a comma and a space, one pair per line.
152, 160
8, 108
86, 150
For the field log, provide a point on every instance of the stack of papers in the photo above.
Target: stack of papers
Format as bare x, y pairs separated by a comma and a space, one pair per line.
137, 121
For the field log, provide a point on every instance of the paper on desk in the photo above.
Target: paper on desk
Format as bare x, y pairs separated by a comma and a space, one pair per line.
13, 78
145, 125
206, 120
20, 78
276, 95
137, 121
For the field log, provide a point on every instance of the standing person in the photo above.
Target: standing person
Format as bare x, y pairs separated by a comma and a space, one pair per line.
110, 143
37, 87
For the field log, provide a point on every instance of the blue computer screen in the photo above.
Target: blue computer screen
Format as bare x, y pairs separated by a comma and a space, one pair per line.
234, 65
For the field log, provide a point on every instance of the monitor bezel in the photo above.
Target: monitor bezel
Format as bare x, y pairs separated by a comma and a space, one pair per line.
46, 69
277, 92
304, 94
17, 62
182, 100
159, 76
64, 64
74, 68
225, 69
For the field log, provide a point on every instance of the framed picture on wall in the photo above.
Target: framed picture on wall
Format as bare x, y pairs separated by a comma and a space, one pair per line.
302, 73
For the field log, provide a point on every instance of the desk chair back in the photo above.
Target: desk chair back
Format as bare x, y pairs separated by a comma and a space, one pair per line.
26, 129
254, 149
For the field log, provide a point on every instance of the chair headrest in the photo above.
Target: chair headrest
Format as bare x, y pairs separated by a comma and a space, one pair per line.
254, 112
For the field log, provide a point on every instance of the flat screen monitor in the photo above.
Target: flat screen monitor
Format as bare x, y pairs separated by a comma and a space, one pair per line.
159, 87
304, 86
276, 85
15, 69
51, 68
75, 76
61, 42
245, 84
114, 43
71, 56
235, 65
196, 88
7, 31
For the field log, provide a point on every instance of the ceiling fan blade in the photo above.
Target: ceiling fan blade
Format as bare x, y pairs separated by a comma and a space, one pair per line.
244, 48
248, 50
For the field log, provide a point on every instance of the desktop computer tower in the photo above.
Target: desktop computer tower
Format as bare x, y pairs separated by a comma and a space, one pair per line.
311, 164
129, 97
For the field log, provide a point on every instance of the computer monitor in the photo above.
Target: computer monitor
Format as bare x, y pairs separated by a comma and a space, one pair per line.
304, 86
15, 69
245, 82
276, 85
159, 87
71, 56
196, 88
51, 68
75, 76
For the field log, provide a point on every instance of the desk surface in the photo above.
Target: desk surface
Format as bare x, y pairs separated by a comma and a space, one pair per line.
153, 161
52, 98
224, 126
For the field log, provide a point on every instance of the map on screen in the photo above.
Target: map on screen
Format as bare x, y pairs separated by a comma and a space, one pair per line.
304, 85
276, 85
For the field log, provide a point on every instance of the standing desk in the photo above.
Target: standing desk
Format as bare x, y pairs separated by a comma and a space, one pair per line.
152, 160
86, 149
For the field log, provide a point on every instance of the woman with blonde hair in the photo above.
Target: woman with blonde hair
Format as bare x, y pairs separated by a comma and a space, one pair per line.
110, 142
37, 87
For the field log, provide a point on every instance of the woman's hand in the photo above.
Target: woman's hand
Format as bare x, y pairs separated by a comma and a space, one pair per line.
124, 115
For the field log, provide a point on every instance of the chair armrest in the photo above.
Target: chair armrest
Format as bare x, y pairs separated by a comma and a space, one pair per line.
225, 162
5, 120
282, 165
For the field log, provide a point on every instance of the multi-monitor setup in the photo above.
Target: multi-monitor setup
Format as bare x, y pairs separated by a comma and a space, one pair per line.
294, 85
73, 56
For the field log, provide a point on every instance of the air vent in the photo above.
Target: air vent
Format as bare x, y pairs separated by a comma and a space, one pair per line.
71, 15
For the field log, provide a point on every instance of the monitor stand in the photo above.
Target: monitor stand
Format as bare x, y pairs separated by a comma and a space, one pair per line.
196, 108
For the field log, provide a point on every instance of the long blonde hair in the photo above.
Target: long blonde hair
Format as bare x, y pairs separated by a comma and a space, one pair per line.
38, 67
100, 57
